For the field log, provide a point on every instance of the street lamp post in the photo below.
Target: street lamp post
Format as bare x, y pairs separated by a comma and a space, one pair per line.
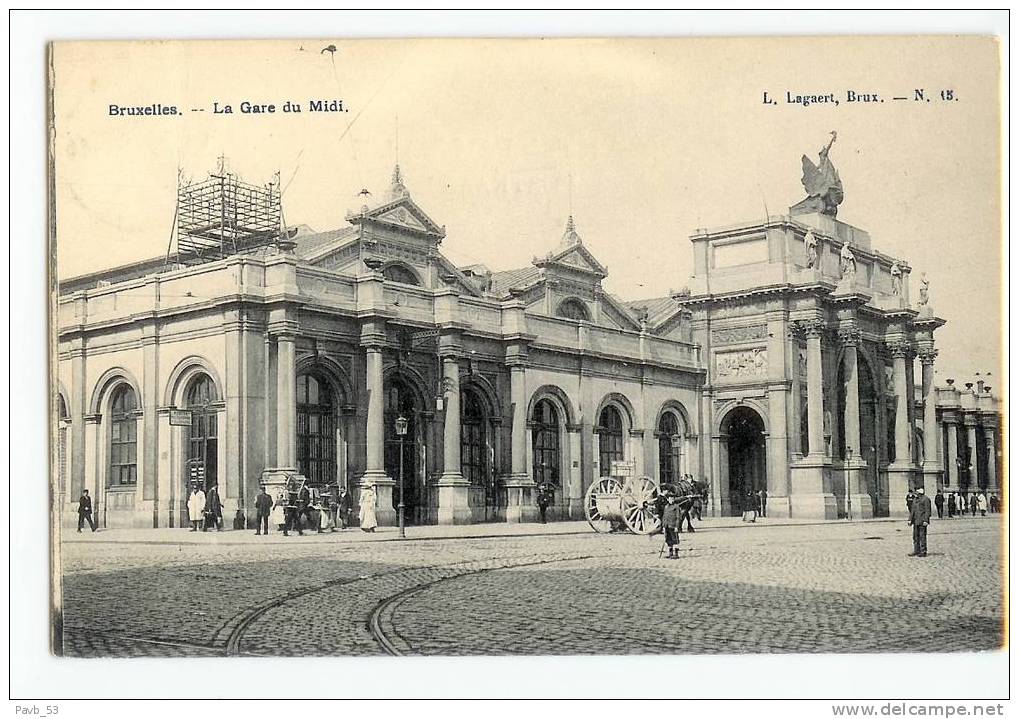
401, 432
849, 496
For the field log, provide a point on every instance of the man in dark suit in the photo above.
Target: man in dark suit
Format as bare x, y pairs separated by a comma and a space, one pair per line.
263, 505
302, 507
919, 517
939, 503
85, 511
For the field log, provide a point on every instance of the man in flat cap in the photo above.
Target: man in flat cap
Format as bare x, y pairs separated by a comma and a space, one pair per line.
919, 517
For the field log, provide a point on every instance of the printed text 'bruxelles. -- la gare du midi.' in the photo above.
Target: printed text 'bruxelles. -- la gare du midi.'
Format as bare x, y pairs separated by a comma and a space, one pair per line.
244, 107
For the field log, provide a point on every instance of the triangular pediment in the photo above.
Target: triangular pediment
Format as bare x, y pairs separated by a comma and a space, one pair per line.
576, 258
404, 213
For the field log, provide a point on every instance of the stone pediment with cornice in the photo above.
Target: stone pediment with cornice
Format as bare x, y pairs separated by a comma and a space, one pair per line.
403, 213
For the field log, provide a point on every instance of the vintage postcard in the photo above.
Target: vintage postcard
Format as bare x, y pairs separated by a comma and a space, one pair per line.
527, 347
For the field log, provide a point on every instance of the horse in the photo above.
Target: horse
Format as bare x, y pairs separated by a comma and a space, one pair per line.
692, 494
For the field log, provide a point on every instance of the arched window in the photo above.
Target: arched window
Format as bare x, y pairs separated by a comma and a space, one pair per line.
400, 273
316, 430
573, 310
545, 443
610, 439
669, 448
203, 447
473, 444
123, 438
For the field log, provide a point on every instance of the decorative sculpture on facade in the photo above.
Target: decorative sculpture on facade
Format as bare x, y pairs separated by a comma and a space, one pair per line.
742, 364
896, 273
847, 263
925, 288
810, 246
822, 183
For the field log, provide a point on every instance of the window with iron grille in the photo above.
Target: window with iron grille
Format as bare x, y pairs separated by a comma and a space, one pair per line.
123, 438
610, 439
316, 430
545, 443
473, 444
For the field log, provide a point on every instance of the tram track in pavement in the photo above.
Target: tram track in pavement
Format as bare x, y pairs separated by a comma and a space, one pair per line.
375, 622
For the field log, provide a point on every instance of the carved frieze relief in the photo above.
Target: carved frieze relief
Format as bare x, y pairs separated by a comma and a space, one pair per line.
741, 364
735, 335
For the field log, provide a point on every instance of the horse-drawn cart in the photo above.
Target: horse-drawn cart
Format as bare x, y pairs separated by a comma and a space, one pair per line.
612, 503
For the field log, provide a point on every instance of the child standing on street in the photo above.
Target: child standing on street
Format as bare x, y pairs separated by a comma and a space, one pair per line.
672, 519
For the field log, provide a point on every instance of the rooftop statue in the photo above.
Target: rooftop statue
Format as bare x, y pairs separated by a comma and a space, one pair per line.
822, 183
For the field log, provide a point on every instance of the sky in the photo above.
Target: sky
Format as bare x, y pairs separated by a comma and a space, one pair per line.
641, 140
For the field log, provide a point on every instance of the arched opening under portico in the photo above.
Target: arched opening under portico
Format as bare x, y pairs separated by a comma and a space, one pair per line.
743, 430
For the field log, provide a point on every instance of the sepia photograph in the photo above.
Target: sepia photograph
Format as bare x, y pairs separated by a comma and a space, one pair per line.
543, 347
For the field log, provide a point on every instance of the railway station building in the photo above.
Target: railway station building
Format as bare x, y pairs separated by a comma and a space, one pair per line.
782, 366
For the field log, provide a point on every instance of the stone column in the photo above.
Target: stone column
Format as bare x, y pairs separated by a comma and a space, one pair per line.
810, 493
974, 465
861, 503
778, 396
901, 471
992, 470
952, 470
286, 402
932, 470
375, 437
148, 477
519, 484
815, 390
453, 489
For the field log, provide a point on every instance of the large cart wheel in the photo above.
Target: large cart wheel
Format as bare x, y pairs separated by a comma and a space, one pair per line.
601, 504
638, 506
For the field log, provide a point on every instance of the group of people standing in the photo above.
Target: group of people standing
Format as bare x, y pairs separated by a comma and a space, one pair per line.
956, 504
205, 510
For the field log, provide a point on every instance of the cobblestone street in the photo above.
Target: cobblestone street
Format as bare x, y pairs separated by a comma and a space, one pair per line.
532, 589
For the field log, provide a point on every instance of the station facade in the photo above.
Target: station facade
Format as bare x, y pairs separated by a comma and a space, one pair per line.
777, 369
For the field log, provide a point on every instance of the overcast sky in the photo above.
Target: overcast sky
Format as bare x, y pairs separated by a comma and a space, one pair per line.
643, 140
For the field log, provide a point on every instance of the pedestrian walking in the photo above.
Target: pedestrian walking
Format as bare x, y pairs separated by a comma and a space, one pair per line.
196, 506
546, 496
301, 508
278, 516
994, 504
762, 500
939, 502
367, 508
982, 504
919, 517
672, 519
910, 495
85, 511
345, 505
749, 507
263, 507
213, 510
973, 504
951, 505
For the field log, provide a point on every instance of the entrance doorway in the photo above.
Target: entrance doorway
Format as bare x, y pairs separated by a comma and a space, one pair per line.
401, 400
747, 459
203, 448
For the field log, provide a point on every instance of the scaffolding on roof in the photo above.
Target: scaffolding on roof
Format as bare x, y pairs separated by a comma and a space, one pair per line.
223, 216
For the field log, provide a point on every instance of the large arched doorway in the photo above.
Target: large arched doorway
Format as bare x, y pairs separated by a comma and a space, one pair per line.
401, 400
743, 429
202, 441
670, 447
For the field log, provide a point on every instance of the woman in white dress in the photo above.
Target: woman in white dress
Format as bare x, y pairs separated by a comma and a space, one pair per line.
367, 505
278, 516
196, 505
